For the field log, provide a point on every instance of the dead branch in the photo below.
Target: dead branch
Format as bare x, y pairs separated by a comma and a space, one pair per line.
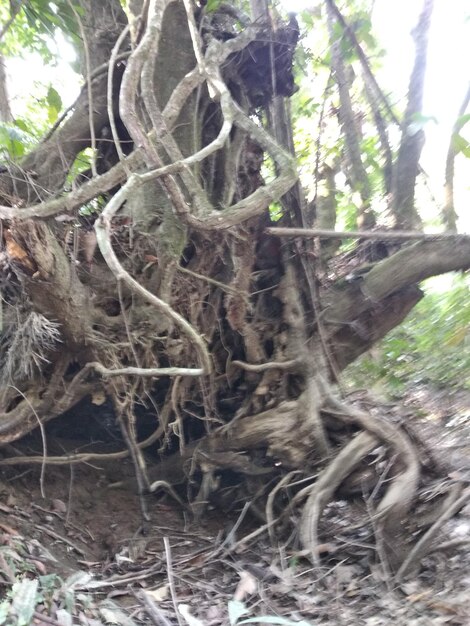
385, 235
421, 548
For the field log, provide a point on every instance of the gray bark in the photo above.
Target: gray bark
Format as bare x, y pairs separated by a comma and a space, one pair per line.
412, 139
5, 110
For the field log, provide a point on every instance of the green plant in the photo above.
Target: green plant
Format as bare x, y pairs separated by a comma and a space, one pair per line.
430, 347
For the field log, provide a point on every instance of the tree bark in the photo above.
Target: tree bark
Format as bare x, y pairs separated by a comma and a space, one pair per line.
412, 136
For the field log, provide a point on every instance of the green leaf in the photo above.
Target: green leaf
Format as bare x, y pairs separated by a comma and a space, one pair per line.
4, 611
461, 145
22, 125
54, 102
12, 140
235, 610
213, 5
462, 120
24, 600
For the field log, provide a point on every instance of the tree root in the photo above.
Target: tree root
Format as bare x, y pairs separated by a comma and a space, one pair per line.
48, 402
325, 486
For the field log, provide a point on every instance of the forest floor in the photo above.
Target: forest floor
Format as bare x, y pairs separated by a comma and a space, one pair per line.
80, 539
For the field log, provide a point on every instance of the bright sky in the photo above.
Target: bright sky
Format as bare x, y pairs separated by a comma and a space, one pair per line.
448, 74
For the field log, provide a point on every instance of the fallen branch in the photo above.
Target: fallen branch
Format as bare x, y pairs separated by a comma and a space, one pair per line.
263, 367
420, 549
390, 235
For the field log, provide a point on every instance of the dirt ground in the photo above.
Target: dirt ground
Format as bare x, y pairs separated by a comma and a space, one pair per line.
81, 539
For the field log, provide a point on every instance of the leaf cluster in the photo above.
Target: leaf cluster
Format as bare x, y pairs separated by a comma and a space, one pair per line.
432, 346
35, 25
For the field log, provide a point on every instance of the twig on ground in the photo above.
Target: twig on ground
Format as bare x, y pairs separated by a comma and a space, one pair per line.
55, 535
46, 619
421, 547
153, 610
323, 489
120, 580
171, 581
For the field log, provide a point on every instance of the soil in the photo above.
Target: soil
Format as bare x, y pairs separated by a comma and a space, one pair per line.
82, 539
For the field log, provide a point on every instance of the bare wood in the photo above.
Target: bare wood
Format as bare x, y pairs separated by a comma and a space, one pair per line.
153, 372
263, 367
397, 235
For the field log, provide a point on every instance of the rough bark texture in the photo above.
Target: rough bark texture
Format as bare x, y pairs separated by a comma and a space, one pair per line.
229, 338
406, 171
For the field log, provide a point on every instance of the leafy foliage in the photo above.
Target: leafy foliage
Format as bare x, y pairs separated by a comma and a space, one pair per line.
13, 141
35, 24
431, 347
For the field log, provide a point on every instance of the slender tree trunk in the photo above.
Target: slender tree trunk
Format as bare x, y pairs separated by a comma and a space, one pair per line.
412, 136
449, 215
5, 110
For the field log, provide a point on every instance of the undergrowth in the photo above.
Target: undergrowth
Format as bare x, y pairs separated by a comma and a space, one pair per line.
431, 347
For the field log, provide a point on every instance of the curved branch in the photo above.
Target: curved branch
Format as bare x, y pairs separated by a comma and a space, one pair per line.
403, 486
103, 236
54, 400
325, 486
409, 266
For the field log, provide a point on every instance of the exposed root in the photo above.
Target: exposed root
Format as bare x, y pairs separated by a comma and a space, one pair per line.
325, 486
48, 401
401, 492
